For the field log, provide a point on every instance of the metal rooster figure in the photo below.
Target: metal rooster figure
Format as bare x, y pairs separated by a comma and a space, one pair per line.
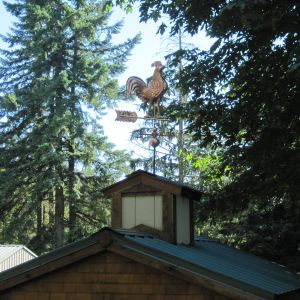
151, 94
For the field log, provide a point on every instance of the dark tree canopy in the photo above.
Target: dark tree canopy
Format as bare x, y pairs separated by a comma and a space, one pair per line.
245, 99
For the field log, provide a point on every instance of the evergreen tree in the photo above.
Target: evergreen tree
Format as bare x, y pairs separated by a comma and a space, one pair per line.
53, 153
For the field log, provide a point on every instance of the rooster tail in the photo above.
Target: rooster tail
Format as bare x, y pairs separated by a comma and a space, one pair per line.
134, 84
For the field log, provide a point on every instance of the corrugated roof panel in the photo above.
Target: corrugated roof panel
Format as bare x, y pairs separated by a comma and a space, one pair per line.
220, 261
250, 262
13, 255
7, 250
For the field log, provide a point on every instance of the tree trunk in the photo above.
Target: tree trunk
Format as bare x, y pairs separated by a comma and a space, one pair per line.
39, 219
59, 216
72, 198
51, 211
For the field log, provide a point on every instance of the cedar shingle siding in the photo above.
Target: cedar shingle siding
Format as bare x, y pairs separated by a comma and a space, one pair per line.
108, 276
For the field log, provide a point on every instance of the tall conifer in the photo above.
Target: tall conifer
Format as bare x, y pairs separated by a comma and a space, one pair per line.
61, 60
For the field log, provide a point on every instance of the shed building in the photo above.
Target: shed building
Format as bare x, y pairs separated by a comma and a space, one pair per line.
134, 260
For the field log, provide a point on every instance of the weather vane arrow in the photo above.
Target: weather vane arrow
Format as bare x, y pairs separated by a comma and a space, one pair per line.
126, 116
131, 116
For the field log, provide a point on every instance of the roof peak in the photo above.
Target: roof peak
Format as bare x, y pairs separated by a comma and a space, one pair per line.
170, 185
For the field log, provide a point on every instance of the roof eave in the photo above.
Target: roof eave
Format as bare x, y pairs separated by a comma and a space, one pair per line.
148, 178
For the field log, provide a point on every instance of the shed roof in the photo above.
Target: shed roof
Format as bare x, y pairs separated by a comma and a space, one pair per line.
8, 250
221, 268
11, 255
143, 177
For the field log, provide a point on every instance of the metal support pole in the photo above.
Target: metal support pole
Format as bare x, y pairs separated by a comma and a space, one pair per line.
154, 158
182, 101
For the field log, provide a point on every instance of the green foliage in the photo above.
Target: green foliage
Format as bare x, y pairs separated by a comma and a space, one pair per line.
54, 159
124, 4
245, 94
208, 163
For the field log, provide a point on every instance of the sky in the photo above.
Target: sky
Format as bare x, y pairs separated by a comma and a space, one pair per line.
152, 47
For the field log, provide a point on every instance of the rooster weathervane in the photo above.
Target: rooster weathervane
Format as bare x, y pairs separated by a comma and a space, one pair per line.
149, 94
152, 93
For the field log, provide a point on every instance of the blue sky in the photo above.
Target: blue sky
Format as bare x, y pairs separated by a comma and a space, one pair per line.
5, 20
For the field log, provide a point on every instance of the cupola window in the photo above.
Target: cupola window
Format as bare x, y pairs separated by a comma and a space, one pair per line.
145, 210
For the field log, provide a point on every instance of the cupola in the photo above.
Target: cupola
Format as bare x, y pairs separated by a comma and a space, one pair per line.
153, 204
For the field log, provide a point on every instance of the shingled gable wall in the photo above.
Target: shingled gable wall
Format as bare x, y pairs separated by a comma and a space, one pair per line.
108, 276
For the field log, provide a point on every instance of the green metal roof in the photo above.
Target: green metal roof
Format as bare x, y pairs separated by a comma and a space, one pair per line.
207, 259
224, 264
